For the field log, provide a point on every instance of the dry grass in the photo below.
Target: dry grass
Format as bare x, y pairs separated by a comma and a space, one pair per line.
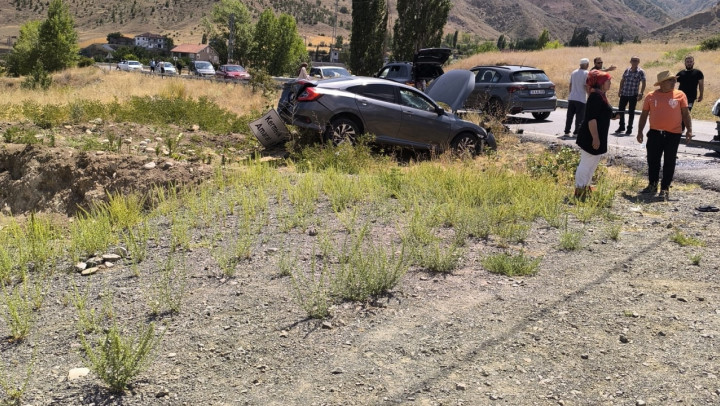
559, 63
106, 86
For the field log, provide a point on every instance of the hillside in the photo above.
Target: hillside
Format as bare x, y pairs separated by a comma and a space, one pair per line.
180, 19
694, 27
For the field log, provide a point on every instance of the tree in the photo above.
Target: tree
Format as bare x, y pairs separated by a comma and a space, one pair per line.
580, 37
114, 35
26, 51
501, 42
277, 46
543, 39
368, 35
217, 26
58, 38
419, 25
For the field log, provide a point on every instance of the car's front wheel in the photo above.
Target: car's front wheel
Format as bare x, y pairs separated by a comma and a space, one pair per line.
342, 130
466, 143
541, 116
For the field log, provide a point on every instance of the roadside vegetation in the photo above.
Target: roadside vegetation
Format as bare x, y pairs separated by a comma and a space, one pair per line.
365, 217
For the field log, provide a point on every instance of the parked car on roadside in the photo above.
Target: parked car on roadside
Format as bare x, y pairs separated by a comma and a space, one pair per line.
426, 66
128, 66
342, 109
235, 72
326, 72
513, 89
168, 67
202, 68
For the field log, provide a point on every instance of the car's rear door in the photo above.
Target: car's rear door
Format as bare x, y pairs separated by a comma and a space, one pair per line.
486, 82
378, 107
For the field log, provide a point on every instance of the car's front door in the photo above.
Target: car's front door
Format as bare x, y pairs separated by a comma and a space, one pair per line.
379, 109
421, 124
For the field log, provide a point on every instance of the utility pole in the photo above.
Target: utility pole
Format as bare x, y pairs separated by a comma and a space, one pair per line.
231, 38
334, 35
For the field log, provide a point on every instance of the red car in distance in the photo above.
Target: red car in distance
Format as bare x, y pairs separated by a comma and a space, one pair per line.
235, 72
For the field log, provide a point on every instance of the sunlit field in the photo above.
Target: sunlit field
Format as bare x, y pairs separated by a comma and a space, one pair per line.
106, 86
654, 58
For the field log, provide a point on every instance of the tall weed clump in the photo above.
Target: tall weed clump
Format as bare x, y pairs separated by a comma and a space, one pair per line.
118, 357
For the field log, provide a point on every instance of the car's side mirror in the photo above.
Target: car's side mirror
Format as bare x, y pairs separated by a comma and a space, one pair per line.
440, 111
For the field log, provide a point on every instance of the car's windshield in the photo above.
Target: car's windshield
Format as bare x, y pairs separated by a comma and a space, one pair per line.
530, 76
133, 63
234, 68
336, 72
203, 65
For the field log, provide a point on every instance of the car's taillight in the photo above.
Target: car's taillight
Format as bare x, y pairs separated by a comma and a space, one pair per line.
552, 87
513, 89
308, 94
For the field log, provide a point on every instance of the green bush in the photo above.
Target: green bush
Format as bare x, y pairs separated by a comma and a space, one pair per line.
557, 165
511, 265
710, 44
38, 78
84, 62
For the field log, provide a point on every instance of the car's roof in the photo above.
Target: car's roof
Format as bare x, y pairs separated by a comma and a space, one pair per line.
129, 62
512, 68
232, 64
346, 81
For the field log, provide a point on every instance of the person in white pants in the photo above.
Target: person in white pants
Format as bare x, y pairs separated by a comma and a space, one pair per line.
593, 134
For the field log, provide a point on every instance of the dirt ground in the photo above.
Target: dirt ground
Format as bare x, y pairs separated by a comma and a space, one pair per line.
630, 321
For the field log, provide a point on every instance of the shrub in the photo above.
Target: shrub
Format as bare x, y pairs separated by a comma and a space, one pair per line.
511, 265
84, 62
710, 44
38, 78
116, 358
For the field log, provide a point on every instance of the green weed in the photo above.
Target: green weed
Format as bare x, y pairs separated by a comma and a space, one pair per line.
695, 258
119, 358
312, 290
571, 240
511, 265
683, 240
168, 291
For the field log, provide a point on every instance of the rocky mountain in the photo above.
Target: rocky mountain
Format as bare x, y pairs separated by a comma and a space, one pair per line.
487, 19
694, 27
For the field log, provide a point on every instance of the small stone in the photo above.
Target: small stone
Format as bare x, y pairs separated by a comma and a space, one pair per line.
108, 264
284, 333
76, 373
460, 386
121, 252
162, 393
640, 402
327, 325
127, 141
312, 232
624, 339
584, 356
682, 299
167, 165
172, 355
89, 271
80, 266
195, 127
337, 371
111, 257
149, 165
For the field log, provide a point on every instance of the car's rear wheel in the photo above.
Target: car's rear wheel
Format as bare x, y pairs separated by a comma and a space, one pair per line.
466, 143
541, 116
496, 109
342, 130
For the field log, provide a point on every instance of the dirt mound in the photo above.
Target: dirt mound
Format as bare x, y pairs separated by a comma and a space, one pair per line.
44, 179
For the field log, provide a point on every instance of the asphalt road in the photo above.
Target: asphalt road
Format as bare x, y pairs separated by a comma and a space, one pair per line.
696, 164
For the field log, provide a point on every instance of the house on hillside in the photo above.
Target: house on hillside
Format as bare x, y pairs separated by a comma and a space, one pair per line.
202, 52
151, 41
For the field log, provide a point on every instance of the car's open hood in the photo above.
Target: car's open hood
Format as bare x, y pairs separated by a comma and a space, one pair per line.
452, 88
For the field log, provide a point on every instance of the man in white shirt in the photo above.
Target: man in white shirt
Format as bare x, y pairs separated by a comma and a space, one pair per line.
577, 97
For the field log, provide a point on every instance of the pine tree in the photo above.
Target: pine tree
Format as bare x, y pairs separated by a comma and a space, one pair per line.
419, 25
368, 35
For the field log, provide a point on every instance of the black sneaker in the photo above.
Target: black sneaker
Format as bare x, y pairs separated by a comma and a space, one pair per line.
620, 130
649, 190
629, 131
664, 194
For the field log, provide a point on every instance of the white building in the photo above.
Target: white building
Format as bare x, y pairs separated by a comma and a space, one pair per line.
151, 41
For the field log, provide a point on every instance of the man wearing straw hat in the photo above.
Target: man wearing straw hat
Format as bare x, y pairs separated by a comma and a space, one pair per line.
668, 111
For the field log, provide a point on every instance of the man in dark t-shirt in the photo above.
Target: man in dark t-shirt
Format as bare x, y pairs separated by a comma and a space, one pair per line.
690, 81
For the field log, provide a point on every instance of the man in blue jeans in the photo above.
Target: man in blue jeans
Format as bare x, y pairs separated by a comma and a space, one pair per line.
632, 78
